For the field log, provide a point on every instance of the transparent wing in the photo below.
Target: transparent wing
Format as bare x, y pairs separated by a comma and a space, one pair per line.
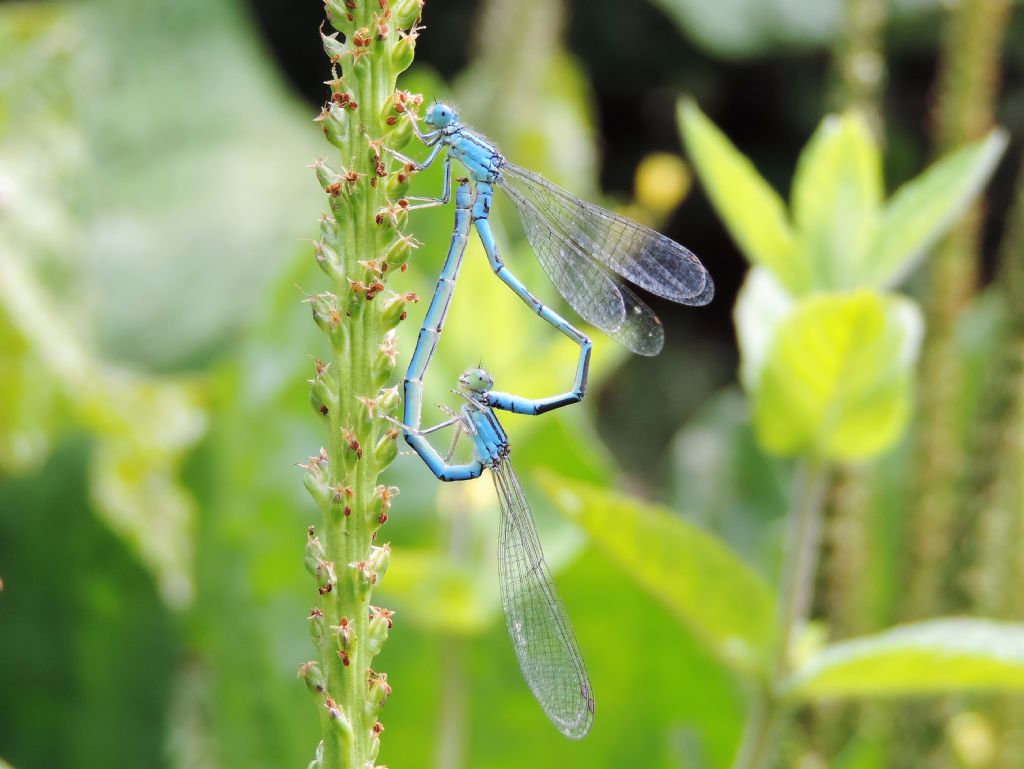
536, 620
598, 296
639, 254
641, 331
588, 288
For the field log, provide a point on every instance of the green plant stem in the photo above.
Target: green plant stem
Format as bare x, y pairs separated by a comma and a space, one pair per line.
995, 489
860, 61
853, 548
966, 99
801, 560
993, 485
759, 737
968, 84
796, 593
361, 240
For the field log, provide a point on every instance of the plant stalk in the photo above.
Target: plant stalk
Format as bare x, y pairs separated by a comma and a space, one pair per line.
964, 110
860, 61
995, 489
801, 561
361, 243
759, 737
796, 594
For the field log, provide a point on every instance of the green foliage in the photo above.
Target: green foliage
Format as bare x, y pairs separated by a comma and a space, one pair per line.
836, 383
837, 190
830, 370
88, 639
152, 196
679, 564
754, 213
842, 237
143, 426
190, 161
921, 210
674, 685
828, 360
950, 655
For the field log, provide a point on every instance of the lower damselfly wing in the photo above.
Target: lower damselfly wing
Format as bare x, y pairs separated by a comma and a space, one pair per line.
590, 253
536, 620
599, 297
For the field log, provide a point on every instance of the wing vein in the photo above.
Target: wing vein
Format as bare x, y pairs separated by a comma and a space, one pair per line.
643, 256
597, 295
537, 623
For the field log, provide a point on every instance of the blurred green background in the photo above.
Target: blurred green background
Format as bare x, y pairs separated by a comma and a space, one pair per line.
154, 198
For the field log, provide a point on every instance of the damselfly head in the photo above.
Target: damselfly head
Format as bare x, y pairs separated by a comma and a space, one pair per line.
441, 115
476, 380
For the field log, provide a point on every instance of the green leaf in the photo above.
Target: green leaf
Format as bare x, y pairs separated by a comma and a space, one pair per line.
927, 206
200, 232
837, 380
948, 655
753, 212
762, 304
837, 193
708, 587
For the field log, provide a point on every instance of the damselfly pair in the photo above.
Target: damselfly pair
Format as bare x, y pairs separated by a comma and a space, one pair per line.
589, 254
